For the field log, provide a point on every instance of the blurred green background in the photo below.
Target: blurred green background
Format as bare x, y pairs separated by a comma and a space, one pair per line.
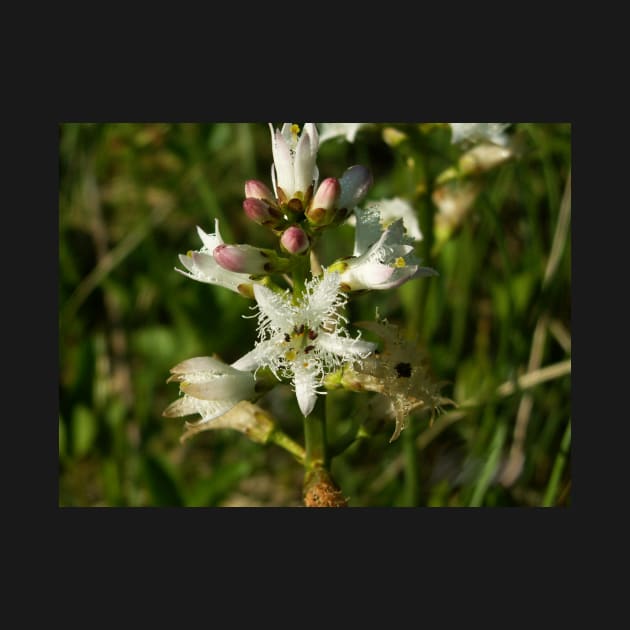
495, 324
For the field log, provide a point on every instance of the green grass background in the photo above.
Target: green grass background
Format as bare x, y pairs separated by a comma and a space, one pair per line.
130, 197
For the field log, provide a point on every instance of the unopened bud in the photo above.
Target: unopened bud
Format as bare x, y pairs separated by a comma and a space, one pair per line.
258, 190
355, 183
260, 211
240, 258
294, 240
249, 259
322, 208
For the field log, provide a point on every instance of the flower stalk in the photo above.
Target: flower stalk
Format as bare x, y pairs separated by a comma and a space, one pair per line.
281, 439
315, 437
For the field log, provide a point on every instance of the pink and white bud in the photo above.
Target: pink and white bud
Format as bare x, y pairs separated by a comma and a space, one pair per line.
241, 258
294, 160
257, 190
327, 194
323, 205
259, 211
355, 183
294, 240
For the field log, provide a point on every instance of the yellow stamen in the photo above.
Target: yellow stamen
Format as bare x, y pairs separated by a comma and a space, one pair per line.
295, 129
400, 262
290, 355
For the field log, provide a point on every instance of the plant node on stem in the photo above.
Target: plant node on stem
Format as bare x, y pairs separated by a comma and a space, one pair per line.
321, 491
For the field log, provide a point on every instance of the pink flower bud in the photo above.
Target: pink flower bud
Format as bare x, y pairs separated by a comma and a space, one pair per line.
355, 183
260, 211
240, 258
323, 205
327, 194
258, 190
295, 240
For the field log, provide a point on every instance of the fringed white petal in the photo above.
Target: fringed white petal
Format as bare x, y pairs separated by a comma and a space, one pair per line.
207, 409
347, 348
224, 387
265, 353
306, 382
275, 310
324, 297
203, 364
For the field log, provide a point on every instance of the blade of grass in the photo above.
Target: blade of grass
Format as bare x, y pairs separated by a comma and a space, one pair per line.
490, 467
558, 467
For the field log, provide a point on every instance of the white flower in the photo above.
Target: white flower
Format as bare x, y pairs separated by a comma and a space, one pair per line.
294, 170
210, 387
393, 209
202, 266
306, 340
476, 132
383, 258
339, 130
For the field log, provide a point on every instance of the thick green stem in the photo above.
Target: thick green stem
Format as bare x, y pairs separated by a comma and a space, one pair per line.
320, 489
300, 272
315, 437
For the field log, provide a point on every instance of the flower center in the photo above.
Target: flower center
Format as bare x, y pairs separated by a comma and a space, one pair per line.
299, 341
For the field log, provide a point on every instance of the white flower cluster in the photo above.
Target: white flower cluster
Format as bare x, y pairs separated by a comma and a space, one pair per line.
302, 335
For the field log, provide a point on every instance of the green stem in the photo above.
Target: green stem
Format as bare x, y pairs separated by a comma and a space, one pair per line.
284, 441
320, 489
558, 466
315, 437
489, 468
353, 435
300, 271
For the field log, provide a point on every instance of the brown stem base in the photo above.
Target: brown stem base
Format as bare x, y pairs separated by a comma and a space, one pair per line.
321, 491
